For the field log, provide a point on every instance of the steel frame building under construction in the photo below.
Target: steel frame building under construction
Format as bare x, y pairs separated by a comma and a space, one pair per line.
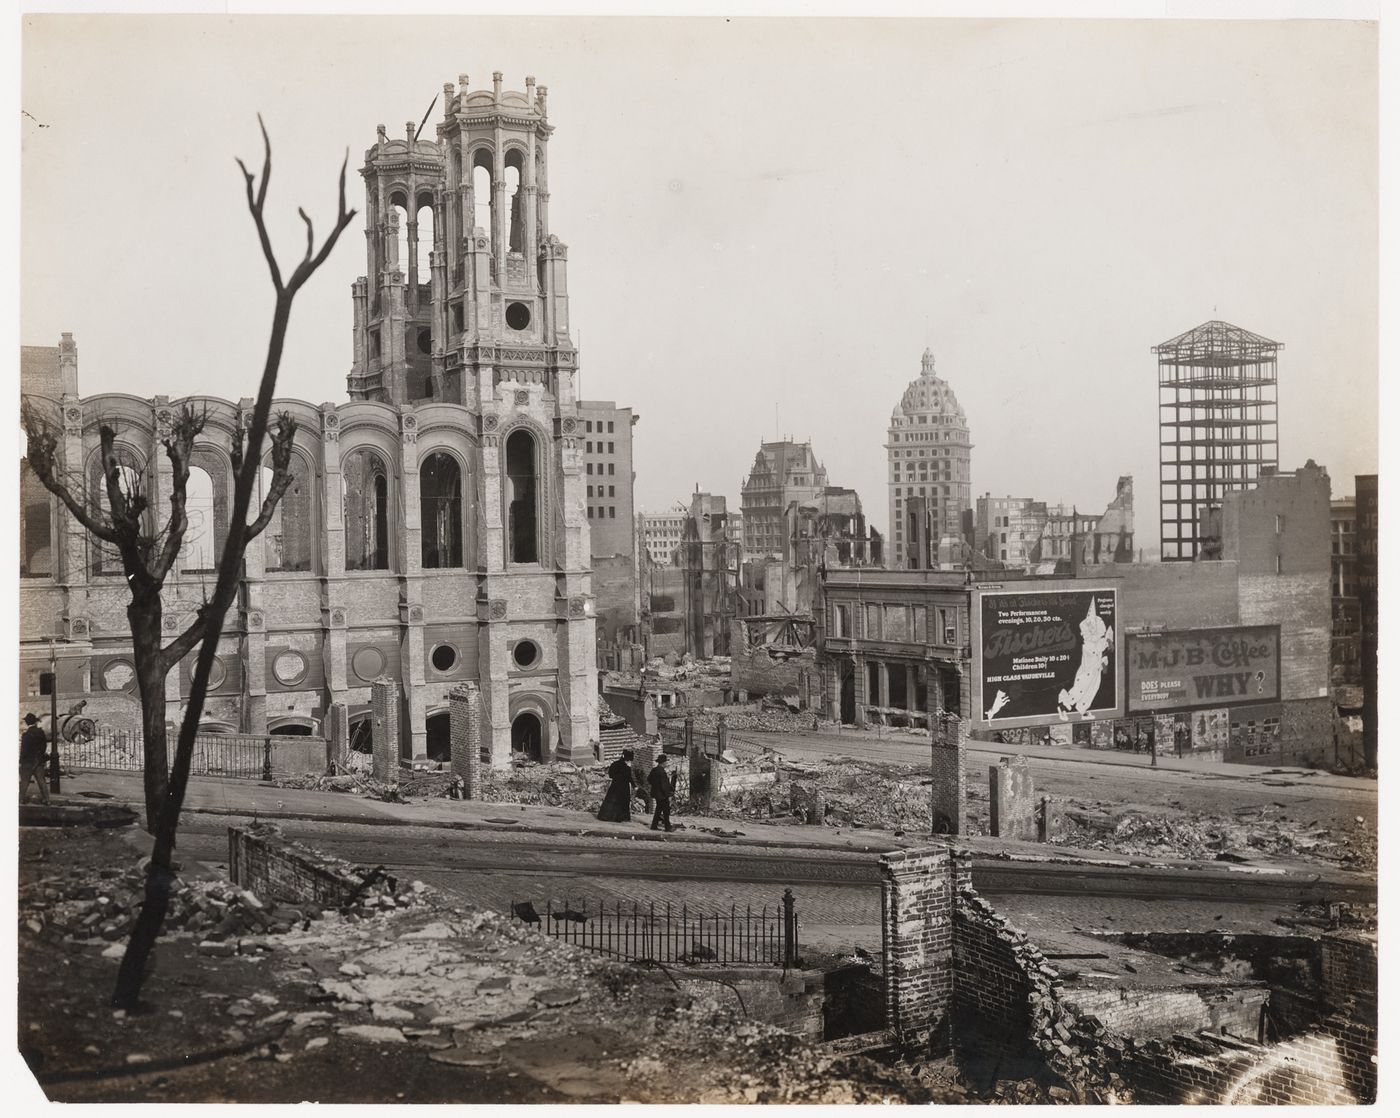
1217, 404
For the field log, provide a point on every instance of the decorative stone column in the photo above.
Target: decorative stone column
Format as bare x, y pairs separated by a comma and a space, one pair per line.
384, 705
464, 706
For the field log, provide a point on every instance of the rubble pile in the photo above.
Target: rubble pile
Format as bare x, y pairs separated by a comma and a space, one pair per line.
1200, 836
556, 784
769, 717
852, 793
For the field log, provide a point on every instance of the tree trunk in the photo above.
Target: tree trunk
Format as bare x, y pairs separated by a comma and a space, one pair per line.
159, 879
144, 616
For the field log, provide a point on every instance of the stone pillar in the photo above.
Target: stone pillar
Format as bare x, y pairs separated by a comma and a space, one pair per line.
1012, 799
1050, 820
917, 903
384, 706
948, 790
464, 704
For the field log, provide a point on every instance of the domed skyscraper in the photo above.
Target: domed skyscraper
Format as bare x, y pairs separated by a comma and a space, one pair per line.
930, 479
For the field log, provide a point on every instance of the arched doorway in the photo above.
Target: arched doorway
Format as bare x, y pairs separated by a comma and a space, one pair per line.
440, 736
848, 695
526, 735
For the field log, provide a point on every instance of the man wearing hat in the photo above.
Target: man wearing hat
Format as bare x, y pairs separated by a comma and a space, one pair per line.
663, 786
32, 746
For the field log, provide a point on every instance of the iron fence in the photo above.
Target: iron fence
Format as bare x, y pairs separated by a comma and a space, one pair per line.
665, 934
239, 756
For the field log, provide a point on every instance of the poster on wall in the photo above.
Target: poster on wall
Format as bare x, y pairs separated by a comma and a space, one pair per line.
1047, 656
1189, 668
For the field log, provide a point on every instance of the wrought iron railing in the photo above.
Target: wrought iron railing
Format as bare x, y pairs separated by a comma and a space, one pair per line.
663, 933
239, 756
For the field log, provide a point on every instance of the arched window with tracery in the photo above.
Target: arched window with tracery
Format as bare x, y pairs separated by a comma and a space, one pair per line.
522, 475
197, 550
366, 481
440, 489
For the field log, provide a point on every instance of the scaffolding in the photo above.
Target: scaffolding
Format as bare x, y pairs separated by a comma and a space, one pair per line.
1217, 402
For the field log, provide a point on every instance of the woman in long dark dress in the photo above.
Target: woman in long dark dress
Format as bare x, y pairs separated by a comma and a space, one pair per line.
617, 804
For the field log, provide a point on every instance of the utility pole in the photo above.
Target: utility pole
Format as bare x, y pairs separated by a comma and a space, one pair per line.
54, 768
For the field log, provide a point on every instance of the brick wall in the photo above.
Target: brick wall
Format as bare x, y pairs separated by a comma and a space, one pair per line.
464, 717
384, 706
917, 888
1012, 799
948, 788
1349, 969
272, 867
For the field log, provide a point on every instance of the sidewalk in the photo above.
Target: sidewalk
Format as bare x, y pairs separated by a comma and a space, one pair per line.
243, 799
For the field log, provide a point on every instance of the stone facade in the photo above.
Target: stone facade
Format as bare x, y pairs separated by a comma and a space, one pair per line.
435, 531
783, 472
930, 460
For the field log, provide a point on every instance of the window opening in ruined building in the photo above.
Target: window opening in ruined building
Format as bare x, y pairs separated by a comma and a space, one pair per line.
439, 743
444, 658
197, 549
899, 691
132, 485
287, 539
515, 199
522, 479
366, 500
399, 203
425, 341
872, 691
610, 469
612, 512
426, 220
483, 197
35, 526
518, 316
440, 506
526, 653
526, 735
459, 317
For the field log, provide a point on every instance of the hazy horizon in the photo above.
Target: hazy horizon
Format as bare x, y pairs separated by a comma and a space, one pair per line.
759, 212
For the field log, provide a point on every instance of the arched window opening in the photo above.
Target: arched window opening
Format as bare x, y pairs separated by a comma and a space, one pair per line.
287, 537
527, 735
400, 205
483, 198
132, 485
35, 526
366, 501
425, 239
516, 199
440, 485
521, 475
197, 550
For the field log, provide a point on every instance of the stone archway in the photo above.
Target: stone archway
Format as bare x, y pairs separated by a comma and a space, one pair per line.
527, 736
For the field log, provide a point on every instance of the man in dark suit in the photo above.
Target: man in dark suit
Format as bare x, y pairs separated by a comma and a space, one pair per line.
33, 744
662, 784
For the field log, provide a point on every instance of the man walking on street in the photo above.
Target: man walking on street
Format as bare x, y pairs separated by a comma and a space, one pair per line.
662, 785
33, 745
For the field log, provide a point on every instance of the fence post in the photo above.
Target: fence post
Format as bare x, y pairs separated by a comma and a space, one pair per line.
789, 929
267, 759
722, 735
689, 732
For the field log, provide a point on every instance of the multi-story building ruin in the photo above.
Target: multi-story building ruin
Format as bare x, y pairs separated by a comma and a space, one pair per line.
661, 533
607, 485
783, 472
435, 530
930, 481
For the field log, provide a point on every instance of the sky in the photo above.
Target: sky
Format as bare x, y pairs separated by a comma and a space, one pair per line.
768, 220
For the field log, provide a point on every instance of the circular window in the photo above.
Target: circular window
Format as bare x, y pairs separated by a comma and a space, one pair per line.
117, 675
517, 316
444, 658
368, 663
526, 653
289, 667
217, 674
425, 342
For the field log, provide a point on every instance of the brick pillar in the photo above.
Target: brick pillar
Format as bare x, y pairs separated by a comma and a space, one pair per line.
337, 729
464, 704
917, 902
1012, 799
384, 704
948, 790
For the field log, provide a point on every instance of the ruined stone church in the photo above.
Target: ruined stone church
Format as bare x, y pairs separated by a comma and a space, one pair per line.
434, 532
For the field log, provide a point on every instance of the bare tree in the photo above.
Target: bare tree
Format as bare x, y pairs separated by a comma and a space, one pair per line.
147, 557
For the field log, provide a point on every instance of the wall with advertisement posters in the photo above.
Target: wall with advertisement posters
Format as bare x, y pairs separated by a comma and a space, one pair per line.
1045, 656
1186, 669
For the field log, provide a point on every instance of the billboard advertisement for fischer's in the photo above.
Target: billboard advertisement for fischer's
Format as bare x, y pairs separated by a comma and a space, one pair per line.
1046, 656
1188, 668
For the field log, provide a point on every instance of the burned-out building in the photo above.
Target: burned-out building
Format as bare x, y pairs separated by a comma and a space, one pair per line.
687, 607
783, 472
434, 532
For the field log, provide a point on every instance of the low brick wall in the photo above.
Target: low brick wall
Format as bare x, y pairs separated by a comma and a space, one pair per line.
262, 861
300, 755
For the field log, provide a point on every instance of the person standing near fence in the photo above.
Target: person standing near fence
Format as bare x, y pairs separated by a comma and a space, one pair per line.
33, 745
663, 786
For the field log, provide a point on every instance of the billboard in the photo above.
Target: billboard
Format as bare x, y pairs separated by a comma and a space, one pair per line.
1189, 668
1046, 656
